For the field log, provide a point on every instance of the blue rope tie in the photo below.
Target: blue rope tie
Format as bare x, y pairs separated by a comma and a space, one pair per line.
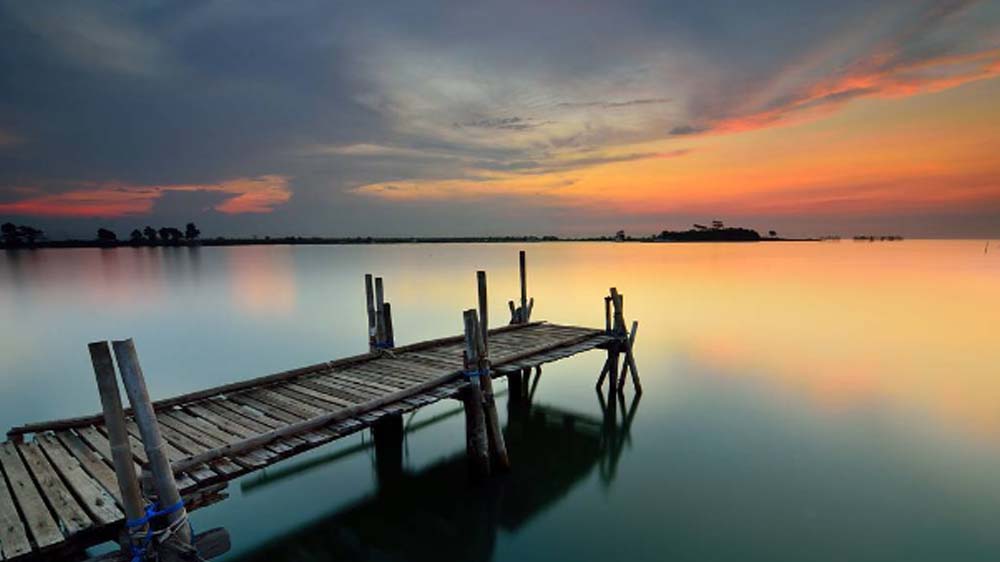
473, 374
139, 552
383, 345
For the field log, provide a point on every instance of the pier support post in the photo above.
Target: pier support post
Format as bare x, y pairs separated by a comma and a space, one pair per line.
476, 440
370, 303
380, 333
121, 453
498, 447
522, 314
179, 543
388, 434
379, 313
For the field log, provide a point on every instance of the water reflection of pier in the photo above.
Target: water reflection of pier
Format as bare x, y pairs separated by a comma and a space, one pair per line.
441, 512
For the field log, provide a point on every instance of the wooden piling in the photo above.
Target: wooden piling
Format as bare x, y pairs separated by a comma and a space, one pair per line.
607, 314
498, 447
152, 442
619, 321
626, 366
390, 337
121, 452
476, 439
524, 287
379, 313
370, 303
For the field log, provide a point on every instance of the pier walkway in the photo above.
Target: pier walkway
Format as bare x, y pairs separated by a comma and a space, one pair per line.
60, 487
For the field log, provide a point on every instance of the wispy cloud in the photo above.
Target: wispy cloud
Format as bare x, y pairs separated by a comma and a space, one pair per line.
615, 104
242, 195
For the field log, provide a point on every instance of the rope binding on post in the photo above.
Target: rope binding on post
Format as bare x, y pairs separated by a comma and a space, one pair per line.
152, 512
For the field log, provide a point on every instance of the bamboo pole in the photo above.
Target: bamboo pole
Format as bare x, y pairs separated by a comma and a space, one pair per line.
390, 337
121, 452
379, 313
370, 303
498, 447
476, 440
626, 367
152, 441
524, 287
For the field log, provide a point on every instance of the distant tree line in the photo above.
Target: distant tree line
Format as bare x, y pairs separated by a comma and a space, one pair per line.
718, 232
16, 236
149, 236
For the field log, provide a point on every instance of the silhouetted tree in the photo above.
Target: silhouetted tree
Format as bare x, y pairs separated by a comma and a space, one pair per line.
9, 231
150, 233
136, 236
105, 235
14, 235
170, 234
717, 225
772, 234
191, 231
700, 227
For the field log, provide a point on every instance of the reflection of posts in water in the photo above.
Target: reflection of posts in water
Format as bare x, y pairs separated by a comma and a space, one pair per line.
388, 434
615, 435
521, 390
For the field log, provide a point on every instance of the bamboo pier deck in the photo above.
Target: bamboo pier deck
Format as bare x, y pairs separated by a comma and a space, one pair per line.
58, 492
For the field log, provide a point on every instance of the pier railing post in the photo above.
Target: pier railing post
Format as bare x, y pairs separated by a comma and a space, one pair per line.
522, 314
370, 303
497, 445
476, 440
121, 453
159, 466
379, 313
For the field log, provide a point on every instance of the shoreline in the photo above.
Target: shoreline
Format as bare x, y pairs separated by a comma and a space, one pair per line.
359, 241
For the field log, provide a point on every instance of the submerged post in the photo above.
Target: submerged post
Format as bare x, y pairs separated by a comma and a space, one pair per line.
121, 453
498, 447
476, 440
169, 497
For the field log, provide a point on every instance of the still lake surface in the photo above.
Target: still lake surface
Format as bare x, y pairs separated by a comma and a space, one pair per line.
803, 401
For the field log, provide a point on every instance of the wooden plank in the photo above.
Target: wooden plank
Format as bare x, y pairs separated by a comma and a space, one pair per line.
248, 415
311, 385
288, 402
38, 519
326, 401
91, 462
253, 459
70, 516
224, 421
272, 411
399, 375
351, 390
201, 473
91, 495
13, 536
335, 385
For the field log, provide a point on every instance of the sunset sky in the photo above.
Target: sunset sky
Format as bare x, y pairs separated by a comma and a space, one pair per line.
456, 118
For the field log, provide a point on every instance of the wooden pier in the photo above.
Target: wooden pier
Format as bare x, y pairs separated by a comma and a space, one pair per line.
67, 485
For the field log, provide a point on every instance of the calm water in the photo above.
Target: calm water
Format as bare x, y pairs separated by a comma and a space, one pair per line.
835, 401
